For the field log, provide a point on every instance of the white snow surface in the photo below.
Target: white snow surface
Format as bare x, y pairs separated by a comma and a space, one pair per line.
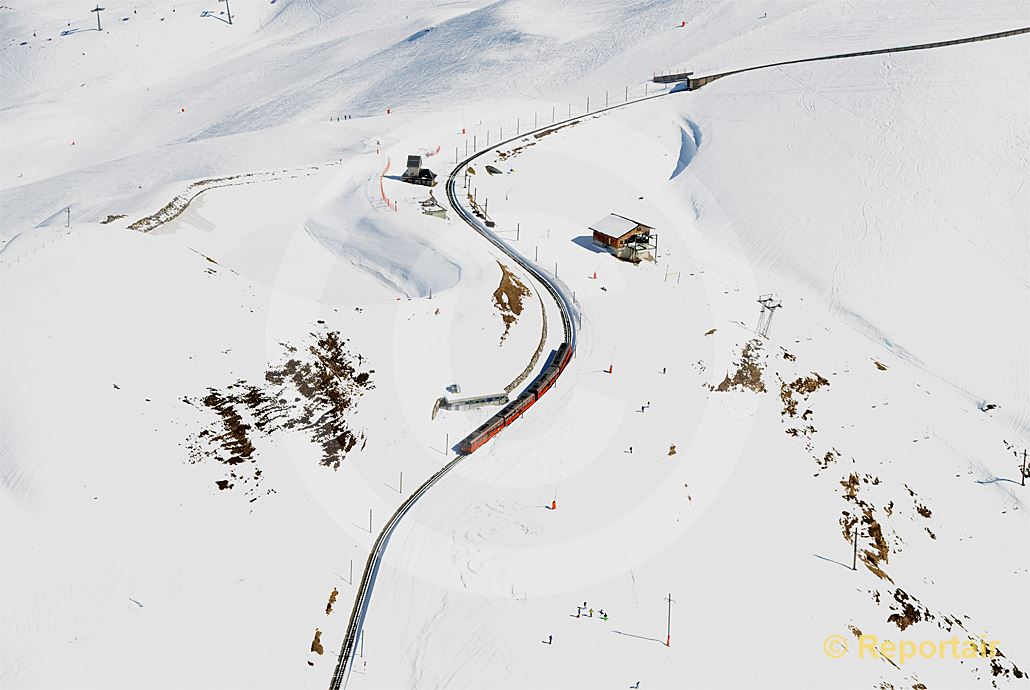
882, 199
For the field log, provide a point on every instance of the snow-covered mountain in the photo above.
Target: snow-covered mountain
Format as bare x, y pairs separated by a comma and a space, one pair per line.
226, 324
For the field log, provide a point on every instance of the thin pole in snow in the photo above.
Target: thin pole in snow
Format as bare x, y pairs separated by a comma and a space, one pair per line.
769, 306
1022, 476
455, 155
626, 99
361, 652
400, 484
352, 571
854, 554
570, 110
555, 269
474, 143
536, 254
534, 120
370, 521
552, 114
518, 123
605, 99
588, 104
668, 624
98, 9
68, 218
518, 229
228, 11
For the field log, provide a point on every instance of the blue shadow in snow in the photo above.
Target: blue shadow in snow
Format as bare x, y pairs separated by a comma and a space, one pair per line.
214, 15
417, 35
639, 637
690, 142
996, 480
587, 242
832, 561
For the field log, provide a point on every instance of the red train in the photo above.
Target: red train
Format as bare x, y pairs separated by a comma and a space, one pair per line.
513, 410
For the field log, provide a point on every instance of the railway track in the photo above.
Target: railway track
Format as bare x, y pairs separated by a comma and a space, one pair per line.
695, 83
554, 289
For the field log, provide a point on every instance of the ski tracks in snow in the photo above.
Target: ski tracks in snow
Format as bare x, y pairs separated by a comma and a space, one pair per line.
471, 625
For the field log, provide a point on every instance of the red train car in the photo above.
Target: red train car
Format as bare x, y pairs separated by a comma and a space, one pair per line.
515, 409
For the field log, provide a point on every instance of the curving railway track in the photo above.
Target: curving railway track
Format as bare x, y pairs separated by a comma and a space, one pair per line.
564, 303
553, 288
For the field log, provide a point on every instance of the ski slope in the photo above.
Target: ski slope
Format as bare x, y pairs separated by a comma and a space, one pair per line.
882, 199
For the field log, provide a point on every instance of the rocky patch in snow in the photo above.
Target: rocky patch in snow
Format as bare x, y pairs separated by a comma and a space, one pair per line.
803, 387
749, 371
314, 392
508, 298
332, 600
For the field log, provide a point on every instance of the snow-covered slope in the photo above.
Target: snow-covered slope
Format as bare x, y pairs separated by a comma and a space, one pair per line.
755, 186
895, 188
882, 199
